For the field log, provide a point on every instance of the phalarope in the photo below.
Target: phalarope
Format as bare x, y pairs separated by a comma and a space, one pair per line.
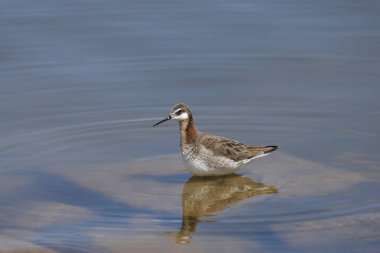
209, 155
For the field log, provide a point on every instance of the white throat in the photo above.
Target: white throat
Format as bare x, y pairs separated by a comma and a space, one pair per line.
182, 116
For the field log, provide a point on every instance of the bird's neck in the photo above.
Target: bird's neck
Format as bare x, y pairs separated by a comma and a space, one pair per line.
188, 131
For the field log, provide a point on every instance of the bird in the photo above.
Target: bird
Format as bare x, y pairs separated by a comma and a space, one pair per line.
205, 154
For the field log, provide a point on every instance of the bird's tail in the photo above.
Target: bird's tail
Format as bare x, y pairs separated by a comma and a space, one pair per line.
269, 149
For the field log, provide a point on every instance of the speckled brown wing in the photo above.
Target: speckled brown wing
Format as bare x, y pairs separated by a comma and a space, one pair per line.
233, 149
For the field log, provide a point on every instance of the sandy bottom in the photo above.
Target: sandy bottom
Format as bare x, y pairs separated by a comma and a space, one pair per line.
278, 202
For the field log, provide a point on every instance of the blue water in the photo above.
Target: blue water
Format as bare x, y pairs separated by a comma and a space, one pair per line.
81, 84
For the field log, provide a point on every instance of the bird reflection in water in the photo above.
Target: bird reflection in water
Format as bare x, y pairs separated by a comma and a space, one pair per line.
205, 196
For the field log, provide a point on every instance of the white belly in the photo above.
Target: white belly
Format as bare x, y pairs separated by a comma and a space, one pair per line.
204, 165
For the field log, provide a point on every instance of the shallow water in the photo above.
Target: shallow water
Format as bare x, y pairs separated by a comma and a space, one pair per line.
81, 84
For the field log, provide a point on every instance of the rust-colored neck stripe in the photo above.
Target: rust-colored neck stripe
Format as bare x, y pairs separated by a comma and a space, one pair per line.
188, 131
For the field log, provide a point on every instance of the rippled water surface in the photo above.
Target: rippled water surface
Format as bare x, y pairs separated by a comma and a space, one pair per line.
82, 82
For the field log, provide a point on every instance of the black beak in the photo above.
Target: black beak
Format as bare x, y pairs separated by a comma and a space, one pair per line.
162, 121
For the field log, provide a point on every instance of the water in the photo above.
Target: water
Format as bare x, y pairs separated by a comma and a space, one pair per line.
81, 83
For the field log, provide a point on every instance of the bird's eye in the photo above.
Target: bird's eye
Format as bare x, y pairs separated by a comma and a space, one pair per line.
178, 112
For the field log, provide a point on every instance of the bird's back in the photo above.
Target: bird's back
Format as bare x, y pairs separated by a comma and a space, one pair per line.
232, 149
216, 155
